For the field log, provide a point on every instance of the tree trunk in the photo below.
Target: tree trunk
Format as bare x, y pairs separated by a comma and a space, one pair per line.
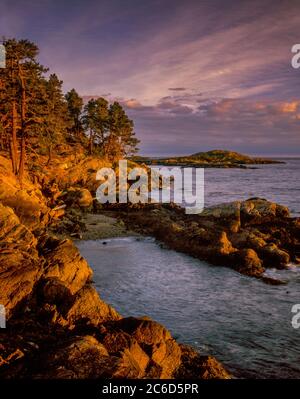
14, 146
22, 160
23, 116
77, 128
91, 142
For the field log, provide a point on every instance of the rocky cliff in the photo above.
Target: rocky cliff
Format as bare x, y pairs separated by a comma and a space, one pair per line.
57, 325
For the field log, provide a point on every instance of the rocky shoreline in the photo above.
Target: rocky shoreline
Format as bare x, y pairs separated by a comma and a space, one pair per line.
58, 326
247, 236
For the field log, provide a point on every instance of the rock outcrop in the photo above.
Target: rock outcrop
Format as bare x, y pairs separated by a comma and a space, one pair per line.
248, 236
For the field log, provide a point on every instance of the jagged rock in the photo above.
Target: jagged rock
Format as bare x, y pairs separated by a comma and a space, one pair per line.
27, 201
20, 267
89, 307
84, 357
274, 257
80, 197
80, 357
248, 262
258, 211
194, 365
65, 262
12, 231
167, 355
131, 363
115, 341
53, 291
227, 214
9, 355
223, 245
122, 344
19, 272
13, 356
154, 339
249, 238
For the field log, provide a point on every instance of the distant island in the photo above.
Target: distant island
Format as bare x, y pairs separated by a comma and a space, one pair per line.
209, 159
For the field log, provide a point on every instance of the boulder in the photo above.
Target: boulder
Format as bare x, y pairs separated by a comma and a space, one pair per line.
63, 261
84, 357
227, 214
247, 262
88, 307
78, 197
27, 201
85, 198
53, 291
154, 339
194, 365
13, 232
223, 245
81, 357
19, 272
274, 257
259, 211
131, 363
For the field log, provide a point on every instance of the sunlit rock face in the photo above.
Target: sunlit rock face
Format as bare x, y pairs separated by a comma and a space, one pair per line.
58, 326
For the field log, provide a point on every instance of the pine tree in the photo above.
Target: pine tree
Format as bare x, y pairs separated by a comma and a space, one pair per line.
95, 121
21, 79
121, 140
56, 120
35, 115
75, 106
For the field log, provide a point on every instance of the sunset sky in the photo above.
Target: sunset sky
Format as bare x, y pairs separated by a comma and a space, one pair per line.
194, 75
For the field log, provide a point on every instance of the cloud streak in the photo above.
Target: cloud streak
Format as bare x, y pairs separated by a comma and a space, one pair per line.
192, 73
244, 125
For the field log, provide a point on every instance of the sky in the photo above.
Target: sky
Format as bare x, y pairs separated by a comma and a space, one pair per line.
194, 75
